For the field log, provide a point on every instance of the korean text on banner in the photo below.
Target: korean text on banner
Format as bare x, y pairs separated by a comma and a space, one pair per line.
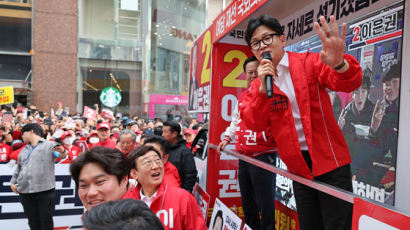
6, 95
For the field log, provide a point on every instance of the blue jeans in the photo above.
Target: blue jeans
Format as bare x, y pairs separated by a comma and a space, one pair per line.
257, 187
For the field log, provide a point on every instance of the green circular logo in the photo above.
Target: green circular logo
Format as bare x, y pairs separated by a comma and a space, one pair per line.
110, 97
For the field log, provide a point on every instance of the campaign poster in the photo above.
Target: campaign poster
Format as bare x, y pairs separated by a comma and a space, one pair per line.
368, 117
200, 74
285, 218
223, 218
228, 81
68, 206
203, 199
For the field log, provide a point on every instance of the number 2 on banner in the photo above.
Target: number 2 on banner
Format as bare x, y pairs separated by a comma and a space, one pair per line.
206, 47
231, 79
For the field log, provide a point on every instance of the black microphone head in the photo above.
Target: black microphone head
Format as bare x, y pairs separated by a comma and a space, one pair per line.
266, 55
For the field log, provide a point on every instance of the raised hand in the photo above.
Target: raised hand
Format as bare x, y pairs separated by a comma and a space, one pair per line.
333, 45
377, 117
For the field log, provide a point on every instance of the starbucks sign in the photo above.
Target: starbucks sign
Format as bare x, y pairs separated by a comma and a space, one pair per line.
110, 97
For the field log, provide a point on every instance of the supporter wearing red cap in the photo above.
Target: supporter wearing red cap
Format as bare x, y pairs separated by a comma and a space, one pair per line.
93, 139
17, 146
103, 132
189, 135
5, 149
73, 151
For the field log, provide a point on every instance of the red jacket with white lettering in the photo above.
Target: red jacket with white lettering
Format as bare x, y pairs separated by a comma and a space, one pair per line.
175, 207
5, 152
250, 142
310, 77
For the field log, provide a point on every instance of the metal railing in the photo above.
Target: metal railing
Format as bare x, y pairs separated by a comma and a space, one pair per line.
323, 187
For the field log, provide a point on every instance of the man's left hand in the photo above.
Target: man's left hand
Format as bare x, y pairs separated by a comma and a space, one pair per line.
61, 150
333, 45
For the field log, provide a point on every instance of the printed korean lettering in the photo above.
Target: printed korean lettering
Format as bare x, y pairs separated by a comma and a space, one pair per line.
244, 6
323, 11
220, 25
231, 15
390, 22
347, 8
361, 4
230, 186
369, 191
334, 5
250, 137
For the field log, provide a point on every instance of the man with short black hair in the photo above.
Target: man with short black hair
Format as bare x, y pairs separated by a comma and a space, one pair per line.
34, 177
179, 155
300, 113
100, 175
127, 214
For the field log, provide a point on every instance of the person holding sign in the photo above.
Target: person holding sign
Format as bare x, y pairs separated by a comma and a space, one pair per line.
257, 185
300, 114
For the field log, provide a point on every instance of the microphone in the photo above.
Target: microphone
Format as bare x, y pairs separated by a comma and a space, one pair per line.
268, 78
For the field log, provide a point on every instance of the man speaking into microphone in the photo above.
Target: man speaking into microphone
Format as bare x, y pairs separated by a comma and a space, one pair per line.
300, 114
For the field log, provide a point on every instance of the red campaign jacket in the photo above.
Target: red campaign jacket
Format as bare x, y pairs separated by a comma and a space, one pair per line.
175, 207
107, 143
5, 151
171, 176
310, 77
250, 142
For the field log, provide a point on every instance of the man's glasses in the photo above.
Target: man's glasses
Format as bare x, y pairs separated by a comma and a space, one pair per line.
267, 40
148, 163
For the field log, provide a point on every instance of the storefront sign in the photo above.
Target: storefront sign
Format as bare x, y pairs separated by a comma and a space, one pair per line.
110, 97
6, 95
170, 102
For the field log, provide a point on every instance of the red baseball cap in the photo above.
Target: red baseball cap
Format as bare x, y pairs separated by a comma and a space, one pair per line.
65, 134
189, 131
92, 133
105, 125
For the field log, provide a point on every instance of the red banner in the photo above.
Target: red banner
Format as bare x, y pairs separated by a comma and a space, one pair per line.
285, 218
200, 74
367, 215
89, 113
228, 81
234, 14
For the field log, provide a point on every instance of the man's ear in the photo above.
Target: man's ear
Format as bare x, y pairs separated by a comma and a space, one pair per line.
134, 174
165, 158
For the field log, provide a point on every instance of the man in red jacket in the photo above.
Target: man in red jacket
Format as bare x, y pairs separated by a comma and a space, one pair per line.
103, 131
256, 184
300, 112
175, 207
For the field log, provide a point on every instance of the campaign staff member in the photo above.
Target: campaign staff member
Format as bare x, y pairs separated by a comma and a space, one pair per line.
175, 207
34, 177
73, 151
103, 132
256, 184
300, 114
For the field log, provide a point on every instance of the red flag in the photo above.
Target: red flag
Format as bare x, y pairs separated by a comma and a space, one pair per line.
89, 113
106, 113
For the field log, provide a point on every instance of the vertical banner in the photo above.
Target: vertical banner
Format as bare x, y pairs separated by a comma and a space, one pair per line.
228, 81
200, 74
